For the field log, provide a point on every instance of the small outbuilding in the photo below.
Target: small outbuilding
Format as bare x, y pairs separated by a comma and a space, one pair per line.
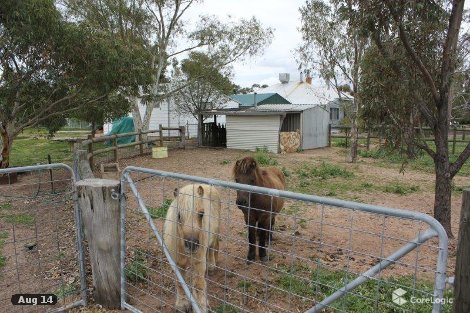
278, 127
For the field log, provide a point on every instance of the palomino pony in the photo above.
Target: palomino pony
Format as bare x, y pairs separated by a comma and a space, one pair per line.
259, 210
191, 234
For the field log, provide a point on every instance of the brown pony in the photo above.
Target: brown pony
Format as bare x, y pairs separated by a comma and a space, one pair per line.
259, 210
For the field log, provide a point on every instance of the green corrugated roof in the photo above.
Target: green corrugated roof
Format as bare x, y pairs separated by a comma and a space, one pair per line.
261, 98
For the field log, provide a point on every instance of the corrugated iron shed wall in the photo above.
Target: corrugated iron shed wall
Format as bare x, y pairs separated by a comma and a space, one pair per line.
250, 132
315, 127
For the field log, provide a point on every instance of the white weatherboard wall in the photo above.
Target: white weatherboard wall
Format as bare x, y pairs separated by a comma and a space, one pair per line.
250, 132
315, 127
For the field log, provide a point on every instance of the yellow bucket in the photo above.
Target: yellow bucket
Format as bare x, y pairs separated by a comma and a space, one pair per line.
160, 152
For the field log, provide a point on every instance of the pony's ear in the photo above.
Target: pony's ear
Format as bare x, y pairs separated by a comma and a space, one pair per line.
200, 190
175, 192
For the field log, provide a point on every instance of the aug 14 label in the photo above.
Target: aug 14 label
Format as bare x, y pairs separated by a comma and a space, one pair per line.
34, 299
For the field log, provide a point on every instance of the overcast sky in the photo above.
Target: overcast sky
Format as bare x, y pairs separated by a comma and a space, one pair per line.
283, 16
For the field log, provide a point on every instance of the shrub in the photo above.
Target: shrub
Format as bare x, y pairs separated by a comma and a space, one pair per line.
137, 269
264, 157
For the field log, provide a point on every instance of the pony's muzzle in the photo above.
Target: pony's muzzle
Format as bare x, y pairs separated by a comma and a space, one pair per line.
191, 244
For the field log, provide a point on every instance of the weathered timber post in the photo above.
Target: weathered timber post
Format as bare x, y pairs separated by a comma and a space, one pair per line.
101, 221
160, 127
90, 150
329, 135
115, 151
141, 145
454, 140
462, 264
368, 139
183, 137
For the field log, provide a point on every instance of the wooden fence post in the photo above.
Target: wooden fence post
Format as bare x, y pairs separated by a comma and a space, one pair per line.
101, 221
329, 135
454, 140
368, 139
183, 136
462, 268
347, 130
90, 151
141, 145
115, 151
160, 127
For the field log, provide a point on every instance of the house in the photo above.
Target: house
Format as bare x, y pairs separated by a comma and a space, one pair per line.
288, 116
303, 92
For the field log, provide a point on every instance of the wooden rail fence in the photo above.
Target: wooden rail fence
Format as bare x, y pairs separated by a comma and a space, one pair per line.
88, 143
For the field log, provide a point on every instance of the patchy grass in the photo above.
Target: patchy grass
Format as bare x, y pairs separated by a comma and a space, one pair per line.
6, 206
225, 162
20, 218
137, 269
400, 189
370, 297
324, 171
226, 308
386, 157
161, 211
245, 284
66, 290
285, 171
264, 157
3, 259
31, 151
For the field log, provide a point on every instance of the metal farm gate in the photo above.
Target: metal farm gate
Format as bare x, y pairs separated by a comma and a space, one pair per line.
325, 253
40, 238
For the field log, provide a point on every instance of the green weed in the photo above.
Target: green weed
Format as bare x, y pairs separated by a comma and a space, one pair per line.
264, 157
285, 171
226, 308
65, 291
6, 206
245, 284
225, 162
400, 188
137, 269
161, 211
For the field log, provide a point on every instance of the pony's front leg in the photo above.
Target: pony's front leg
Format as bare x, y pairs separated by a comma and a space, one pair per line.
263, 228
212, 256
251, 223
182, 303
199, 285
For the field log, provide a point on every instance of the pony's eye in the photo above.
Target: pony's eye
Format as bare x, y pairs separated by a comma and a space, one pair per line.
179, 217
236, 180
201, 214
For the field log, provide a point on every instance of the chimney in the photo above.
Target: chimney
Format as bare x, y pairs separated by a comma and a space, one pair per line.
308, 79
284, 78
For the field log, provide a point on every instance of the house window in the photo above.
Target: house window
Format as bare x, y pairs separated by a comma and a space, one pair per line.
334, 114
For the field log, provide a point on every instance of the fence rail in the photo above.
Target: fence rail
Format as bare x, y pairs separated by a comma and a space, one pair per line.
326, 253
344, 132
141, 142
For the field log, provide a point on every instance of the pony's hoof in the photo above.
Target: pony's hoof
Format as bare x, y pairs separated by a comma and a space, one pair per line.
211, 270
184, 308
250, 261
264, 258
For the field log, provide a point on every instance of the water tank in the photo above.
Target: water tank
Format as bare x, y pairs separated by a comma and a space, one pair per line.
284, 77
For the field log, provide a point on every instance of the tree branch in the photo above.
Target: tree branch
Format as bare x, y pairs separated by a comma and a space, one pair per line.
462, 158
406, 43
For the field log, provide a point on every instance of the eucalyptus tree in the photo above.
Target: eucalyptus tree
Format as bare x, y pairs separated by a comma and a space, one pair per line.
429, 34
206, 85
333, 45
162, 27
51, 68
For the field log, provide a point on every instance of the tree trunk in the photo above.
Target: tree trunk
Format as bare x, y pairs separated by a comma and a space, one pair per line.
443, 193
7, 141
354, 133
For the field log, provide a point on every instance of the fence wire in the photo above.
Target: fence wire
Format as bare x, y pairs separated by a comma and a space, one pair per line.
38, 238
318, 246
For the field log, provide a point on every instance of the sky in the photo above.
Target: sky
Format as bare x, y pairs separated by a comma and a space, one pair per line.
281, 15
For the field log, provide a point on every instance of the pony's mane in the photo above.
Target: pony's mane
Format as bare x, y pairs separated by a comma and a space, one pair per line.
243, 166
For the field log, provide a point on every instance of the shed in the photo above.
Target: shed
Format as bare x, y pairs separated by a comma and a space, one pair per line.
266, 124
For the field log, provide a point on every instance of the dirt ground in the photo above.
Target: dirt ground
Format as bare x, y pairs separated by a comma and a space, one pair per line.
311, 241
305, 235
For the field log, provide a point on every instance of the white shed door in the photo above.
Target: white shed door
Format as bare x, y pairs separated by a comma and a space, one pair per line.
250, 132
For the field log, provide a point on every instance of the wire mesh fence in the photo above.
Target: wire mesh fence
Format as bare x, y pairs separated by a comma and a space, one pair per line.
38, 238
394, 259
